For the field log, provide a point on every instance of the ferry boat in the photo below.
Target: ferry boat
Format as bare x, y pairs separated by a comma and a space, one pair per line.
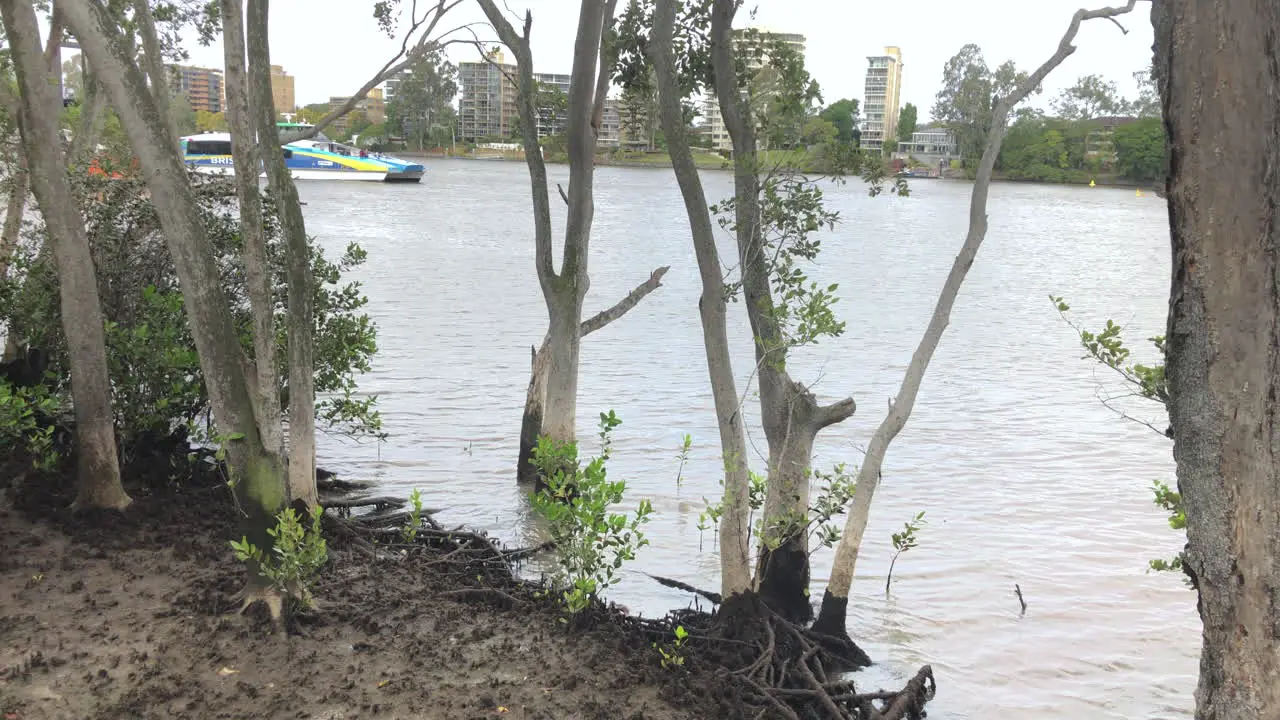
317, 158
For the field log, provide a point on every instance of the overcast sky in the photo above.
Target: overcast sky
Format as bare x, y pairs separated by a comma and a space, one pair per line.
332, 49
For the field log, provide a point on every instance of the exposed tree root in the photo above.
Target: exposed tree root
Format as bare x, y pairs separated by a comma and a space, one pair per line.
760, 664
779, 668
270, 597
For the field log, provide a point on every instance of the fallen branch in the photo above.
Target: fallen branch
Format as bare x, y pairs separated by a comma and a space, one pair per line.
713, 597
379, 501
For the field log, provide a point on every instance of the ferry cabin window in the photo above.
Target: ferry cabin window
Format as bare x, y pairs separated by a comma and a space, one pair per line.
208, 147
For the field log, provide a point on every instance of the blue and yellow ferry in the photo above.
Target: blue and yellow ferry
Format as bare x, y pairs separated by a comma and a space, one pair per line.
317, 158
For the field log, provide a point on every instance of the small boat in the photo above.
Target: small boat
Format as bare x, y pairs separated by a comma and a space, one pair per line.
317, 158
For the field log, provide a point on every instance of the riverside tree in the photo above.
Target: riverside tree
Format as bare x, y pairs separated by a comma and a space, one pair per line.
774, 215
258, 474
37, 111
966, 101
835, 601
1218, 67
551, 402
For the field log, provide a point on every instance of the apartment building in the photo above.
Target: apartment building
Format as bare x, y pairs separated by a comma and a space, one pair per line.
881, 96
552, 123
610, 134
488, 105
373, 107
282, 90
202, 86
713, 125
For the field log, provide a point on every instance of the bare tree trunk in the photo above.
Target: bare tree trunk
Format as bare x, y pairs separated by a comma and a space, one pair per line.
835, 601
13, 213
153, 60
789, 412
259, 480
301, 320
735, 570
258, 276
19, 184
564, 291
98, 466
1218, 66
85, 140
535, 398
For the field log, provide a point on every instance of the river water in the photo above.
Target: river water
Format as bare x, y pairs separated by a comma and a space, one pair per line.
1024, 477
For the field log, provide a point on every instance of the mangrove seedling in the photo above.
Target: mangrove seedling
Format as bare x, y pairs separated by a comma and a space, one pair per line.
591, 542
902, 542
297, 554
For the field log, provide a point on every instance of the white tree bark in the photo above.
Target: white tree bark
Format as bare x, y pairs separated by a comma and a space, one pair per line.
831, 618
301, 318
1218, 66
735, 569
98, 466
258, 278
14, 209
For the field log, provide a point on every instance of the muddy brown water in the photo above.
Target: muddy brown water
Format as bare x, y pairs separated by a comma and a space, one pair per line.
1024, 477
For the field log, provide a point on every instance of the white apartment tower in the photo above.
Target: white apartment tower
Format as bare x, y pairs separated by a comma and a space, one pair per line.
881, 97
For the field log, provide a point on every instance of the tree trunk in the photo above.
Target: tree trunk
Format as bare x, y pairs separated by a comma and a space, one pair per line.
835, 601
735, 571
13, 213
789, 413
782, 569
258, 276
564, 291
84, 143
1219, 67
98, 469
301, 322
536, 396
531, 422
154, 62
259, 480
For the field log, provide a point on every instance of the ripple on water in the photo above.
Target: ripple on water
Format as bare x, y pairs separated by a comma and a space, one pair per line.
1024, 477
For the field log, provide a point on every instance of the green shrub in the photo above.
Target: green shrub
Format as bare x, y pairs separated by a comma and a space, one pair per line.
156, 377
20, 428
591, 542
297, 554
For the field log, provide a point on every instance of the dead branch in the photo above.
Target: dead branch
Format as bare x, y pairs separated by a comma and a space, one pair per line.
1017, 590
604, 317
713, 597
381, 502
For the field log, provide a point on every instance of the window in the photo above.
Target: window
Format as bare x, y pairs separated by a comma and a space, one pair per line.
208, 147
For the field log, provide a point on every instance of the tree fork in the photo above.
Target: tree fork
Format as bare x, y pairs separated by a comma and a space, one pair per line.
536, 395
